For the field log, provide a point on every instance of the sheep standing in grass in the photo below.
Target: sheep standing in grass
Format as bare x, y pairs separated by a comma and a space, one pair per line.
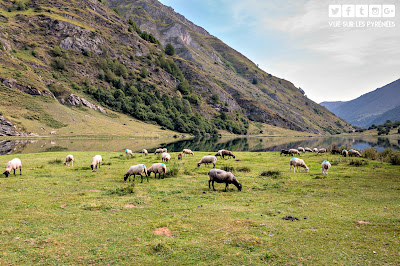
187, 151
158, 151
354, 153
157, 168
165, 157
69, 159
315, 150
345, 153
307, 149
207, 159
325, 167
285, 152
301, 149
294, 151
296, 163
221, 176
323, 150
224, 153
335, 151
13, 165
96, 161
145, 152
129, 152
139, 169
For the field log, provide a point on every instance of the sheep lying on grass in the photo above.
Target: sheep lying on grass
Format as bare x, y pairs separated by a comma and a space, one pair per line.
296, 163
96, 161
129, 152
221, 176
165, 157
13, 165
69, 159
139, 169
224, 153
157, 168
325, 167
207, 159
187, 151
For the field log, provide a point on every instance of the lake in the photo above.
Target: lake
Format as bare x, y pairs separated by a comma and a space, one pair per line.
254, 144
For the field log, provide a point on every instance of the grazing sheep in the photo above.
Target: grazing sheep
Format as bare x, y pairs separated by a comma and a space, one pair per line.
69, 159
323, 150
165, 157
224, 153
294, 151
315, 150
285, 152
325, 167
187, 151
13, 165
296, 162
345, 153
134, 170
301, 149
307, 149
158, 151
145, 152
180, 156
221, 176
335, 151
96, 161
207, 159
354, 153
129, 152
157, 168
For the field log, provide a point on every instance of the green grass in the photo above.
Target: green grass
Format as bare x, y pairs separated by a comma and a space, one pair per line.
54, 214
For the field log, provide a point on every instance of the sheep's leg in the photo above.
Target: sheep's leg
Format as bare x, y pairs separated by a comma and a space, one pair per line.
226, 187
14, 172
214, 165
213, 185
141, 178
20, 171
209, 185
134, 178
99, 165
163, 175
147, 178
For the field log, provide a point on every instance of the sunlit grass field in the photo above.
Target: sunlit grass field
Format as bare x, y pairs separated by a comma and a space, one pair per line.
54, 214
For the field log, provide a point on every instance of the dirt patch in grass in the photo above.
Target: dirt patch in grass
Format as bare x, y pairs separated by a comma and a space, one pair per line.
129, 206
362, 222
163, 231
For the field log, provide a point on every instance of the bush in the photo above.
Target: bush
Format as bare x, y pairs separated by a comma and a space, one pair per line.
358, 162
271, 173
169, 49
122, 191
395, 158
371, 153
59, 64
244, 169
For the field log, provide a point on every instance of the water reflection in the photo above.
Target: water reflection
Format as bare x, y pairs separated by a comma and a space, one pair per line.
196, 144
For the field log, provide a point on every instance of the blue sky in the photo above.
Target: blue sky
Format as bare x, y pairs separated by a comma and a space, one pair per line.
292, 39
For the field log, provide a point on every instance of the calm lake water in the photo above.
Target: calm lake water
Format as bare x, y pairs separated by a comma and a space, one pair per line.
201, 144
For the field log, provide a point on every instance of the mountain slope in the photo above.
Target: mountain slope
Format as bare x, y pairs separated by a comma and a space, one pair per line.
332, 105
392, 115
62, 51
364, 110
223, 71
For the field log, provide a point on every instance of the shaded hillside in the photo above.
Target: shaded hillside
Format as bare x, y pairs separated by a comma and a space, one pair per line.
374, 107
213, 68
332, 105
82, 55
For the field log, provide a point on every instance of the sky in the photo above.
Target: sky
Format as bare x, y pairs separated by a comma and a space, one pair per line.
294, 40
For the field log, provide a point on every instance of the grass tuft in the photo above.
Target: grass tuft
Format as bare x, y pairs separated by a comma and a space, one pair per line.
123, 191
271, 173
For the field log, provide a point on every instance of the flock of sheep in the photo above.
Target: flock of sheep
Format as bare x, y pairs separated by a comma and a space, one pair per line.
215, 175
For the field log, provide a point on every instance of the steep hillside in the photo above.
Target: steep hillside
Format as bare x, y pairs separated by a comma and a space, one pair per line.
83, 56
215, 68
332, 105
374, 107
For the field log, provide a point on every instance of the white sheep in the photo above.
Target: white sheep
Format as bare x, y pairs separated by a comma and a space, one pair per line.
315, 150
207, 159
134, 170
129, 152
355, 153
13, 165
296, 163
69, 159
221, 176
294, 151
301, 149
145, 152
157, 168
158, 151
96, 161
323, 150
308, 149
165, 157
187, 151
325, 167
345, 153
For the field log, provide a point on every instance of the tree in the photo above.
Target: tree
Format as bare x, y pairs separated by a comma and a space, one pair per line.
169, 49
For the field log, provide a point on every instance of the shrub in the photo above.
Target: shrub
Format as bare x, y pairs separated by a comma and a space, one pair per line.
358, 162
228, 168
371, 153
244, 169
271, 173
169, 49
59, 64
122, 191
57, 51
395, 158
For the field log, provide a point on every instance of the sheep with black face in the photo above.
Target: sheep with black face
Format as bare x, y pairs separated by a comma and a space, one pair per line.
221, 176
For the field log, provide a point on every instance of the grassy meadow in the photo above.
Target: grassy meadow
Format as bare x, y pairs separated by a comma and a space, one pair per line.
54, 214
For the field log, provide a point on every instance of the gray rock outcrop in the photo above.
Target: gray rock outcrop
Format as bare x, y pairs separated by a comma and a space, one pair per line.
75, 100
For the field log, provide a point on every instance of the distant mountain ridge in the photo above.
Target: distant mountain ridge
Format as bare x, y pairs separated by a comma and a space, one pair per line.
371, 108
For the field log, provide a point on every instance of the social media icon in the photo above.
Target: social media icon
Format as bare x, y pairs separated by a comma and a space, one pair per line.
375, 11
335, 11
348, 11
388, 11
361, 11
